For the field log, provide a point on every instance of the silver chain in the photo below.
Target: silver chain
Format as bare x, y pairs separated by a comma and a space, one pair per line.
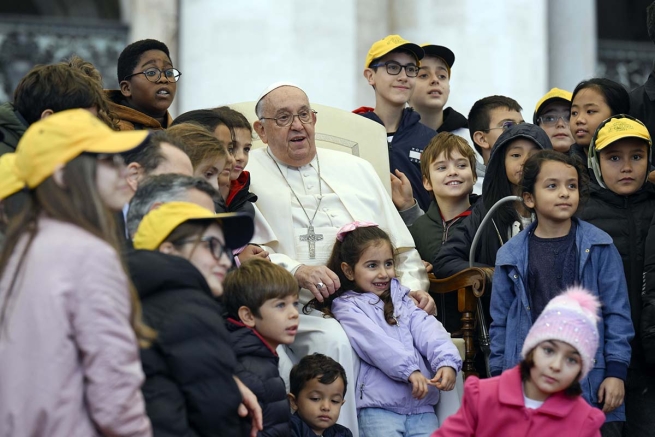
320, 190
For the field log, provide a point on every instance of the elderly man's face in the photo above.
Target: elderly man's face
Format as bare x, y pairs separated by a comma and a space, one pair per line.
295, 144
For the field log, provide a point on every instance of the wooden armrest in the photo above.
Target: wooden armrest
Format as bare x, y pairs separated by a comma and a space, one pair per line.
469, 285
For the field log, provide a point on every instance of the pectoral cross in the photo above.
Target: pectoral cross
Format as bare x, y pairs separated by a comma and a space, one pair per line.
311, 237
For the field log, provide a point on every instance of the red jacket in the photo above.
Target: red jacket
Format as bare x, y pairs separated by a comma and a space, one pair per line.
495, 407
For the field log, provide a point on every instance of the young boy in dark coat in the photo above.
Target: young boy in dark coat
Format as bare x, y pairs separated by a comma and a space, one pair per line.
318, 386
261, 299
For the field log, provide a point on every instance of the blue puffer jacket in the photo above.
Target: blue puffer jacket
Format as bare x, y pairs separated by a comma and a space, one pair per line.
601, 272
405, 149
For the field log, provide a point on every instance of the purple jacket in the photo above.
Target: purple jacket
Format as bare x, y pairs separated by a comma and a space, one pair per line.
390, 353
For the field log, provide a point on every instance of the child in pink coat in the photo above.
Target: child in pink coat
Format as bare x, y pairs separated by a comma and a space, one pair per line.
541, 395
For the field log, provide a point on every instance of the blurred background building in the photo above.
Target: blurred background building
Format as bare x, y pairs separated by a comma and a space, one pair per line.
230, 50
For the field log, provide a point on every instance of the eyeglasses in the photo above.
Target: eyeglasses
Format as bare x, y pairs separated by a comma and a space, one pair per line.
285, 119
394, 68
506, 125
215, 246
154, 74
551, 120
115, 160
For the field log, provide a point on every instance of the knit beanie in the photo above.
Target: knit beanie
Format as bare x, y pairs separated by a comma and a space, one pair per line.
571, 317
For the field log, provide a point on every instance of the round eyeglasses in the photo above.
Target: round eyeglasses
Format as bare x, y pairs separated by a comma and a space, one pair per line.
553, 119
216, 248
154, 74
506, 125
285, 119
394, 68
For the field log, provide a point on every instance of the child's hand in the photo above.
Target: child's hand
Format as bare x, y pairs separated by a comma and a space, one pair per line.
419, 384
444, 379
611, 393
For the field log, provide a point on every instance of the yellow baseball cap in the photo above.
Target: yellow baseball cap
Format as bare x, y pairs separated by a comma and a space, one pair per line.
390, 43
160, 222
9, 181
553, 94
63, 136
619, 128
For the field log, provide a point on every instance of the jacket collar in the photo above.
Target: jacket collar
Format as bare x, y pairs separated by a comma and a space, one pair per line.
510, 392
649, 86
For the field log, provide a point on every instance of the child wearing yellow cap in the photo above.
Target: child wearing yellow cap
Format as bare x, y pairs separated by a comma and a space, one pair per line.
183, 254
621, 203
69, 320
391, 67
553, 113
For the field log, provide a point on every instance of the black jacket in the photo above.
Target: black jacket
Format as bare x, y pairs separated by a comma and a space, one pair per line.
301, 429
627, 220
642, 105
405, 149
452, 120
240, 199
258, 370
189, 388
647, 328
430, 232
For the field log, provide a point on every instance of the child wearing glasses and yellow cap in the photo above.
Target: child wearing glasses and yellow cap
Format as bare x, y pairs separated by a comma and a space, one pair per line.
621, 203
69, 319
552, 113
183, 252
391, 67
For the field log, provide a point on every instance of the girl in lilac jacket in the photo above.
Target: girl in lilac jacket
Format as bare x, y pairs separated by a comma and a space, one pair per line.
406, 354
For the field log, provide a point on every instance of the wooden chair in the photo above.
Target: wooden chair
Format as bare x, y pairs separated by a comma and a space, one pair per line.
469, 285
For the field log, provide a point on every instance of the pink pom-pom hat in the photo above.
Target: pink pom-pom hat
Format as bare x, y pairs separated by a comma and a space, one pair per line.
571, 317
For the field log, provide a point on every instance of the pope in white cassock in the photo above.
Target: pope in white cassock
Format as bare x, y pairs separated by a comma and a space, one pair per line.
305, 195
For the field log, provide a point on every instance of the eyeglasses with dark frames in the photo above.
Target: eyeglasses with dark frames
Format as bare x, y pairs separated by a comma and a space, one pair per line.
216, 248
285, 119
553, 119
506, 125
154, 74
394, 68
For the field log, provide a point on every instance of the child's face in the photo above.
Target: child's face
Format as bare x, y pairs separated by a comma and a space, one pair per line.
450, 178
222, 133
556, 366
559, 131
497, 117
151, 98
278, 320
588, 110
396, 89
210, 169
111, 182
319, 405
374, 270
432, 84
624, 165
517, 152
556, 193
240, 150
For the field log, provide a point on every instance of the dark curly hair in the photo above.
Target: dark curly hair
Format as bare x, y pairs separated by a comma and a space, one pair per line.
129, 57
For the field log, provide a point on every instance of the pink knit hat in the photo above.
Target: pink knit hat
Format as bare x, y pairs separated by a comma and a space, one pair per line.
571, 317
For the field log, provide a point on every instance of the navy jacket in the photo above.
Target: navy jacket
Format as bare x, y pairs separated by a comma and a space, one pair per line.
258, 370
405, 149
301, 429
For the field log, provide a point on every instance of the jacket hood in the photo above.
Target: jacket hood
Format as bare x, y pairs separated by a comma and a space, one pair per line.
496, 165
152, 271
617, 200
452, 120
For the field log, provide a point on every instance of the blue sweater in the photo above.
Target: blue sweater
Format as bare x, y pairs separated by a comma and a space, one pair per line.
600, 272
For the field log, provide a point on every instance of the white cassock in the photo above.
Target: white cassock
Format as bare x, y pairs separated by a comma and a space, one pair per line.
351, 190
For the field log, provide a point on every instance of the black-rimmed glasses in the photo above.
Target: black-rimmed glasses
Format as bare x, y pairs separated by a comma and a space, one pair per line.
506, 125
394, 68
553, 119
154, 74
285, 119
216, 248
